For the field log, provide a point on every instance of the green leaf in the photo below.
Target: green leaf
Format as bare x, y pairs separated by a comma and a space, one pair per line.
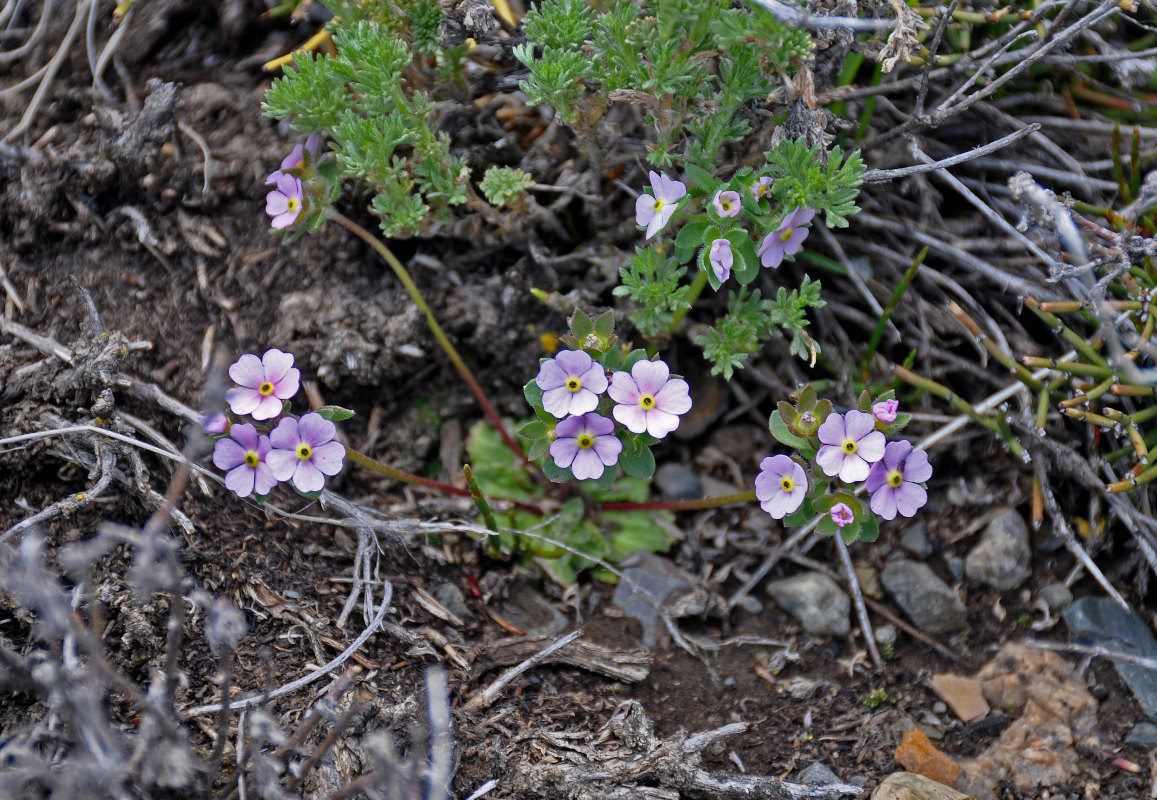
700, 180
637, 460
581, 325
607, 479
869, 529
690, 239
638, 532
554, 473
783, 434
537, 449
334, 413
605, 325
533, 430
746, 267
531, 392
632, 358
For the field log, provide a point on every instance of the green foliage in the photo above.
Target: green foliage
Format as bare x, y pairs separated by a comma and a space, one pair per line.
502, 186
690, 65
566, 542
804, 177
651, 280
788, 312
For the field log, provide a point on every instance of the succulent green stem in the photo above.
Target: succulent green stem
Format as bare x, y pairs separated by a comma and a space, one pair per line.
436, 329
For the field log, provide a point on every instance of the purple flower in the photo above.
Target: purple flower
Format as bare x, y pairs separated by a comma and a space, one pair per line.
296, 157
571, 383
285, 202
787, 239
215, 424
886, 410
649, 399
727, 204
304, 451
841, 514
851, 445
895, 481
243, 453
264, 383
781, 486
761, 187
586, 444
721, 259
654, 210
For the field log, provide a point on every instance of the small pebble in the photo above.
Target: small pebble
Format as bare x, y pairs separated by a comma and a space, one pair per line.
915, 540
677, 482
1056, 595
1001, 557
818, 775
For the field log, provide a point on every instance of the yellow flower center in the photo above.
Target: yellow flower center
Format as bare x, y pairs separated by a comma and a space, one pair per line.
304, 452
574, 384
783, 237
787, 483
251, 459
849, 447
658, 204
265, 389
895, 479
726, 206
291, 204
585, 441
646, 401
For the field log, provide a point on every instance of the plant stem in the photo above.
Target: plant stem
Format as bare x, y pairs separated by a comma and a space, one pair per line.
415, 295
882, 322
681, 505
408, 477
697, 284
858, 601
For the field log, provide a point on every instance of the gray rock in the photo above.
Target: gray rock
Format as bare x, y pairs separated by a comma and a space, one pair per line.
928, 601
677, 482
816, 601
1100, 621
530, 611
915, 540
648, 578
886, 635
1143, 735
818, 775
449, 595
910, 786
1056, 596
955, 566
1001, 557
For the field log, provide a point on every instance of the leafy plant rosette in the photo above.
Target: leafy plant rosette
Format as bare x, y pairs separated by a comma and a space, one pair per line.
634, 433
823, 463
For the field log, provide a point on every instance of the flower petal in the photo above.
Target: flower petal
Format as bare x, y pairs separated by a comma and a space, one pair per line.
557, 401
285, 436
871, 447
831, 431
247, 371
650, 376
329, 458
854, 469
857, 425
264, 481
315, 430
830, 459
660, 423
282, 463
884, 503
227, 454
632, 417
268, 407
674, 397
644, 209
307, 477
607, 448
910, 497
587, 465
582, 401
243, 401
594, 379
240, 481
563, 451
877, 476
573, 362
550, 375
624, 389
916, 467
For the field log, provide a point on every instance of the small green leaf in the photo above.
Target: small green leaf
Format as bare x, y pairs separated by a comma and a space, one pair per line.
581, 325
532, 393
632, 358
746, 268
533, 430
689, 240
869, 529
537, 449
554, 473
335, 413
636, 459
607, 479
699, 178
780, 430
605, 325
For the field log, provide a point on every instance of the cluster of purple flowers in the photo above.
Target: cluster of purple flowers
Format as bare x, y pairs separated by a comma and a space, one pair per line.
647, 400
286, 203
852, 450
302, 451
653, 211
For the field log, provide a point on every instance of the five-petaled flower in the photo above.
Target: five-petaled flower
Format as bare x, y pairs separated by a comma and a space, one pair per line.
894, 481
263, 384
761, 187
648, 399
304, 451
243, 454
721, 259
886, 410
787, 239
296, 158
851, 444
586, 444
654, 210
727, 203
842, 514
285, 203
780, 486
571, 383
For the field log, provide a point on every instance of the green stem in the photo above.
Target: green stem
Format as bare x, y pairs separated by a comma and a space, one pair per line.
693, 293
882, 322
415, 295
408, 477
682, 505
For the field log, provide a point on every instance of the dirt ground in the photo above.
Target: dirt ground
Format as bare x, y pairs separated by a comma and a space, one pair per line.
146, 253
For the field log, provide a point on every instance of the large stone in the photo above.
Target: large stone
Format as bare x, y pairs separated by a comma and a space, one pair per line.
816, 601
1100, 621
964, 695
928, 601
1001, 557
910, 786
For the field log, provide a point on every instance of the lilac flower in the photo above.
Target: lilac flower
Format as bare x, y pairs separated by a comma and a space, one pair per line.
296, 157
304, 451
263, 384
654, 210
781, 486
243, 453
842, 515
721, 259
215, 424
851, 445
727, 204
761, 187
586, 444
285, 202
886, 410
571, 383
895, 480
787, 239
649, 399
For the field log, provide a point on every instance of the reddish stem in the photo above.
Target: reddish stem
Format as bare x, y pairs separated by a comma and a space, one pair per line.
681, 505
